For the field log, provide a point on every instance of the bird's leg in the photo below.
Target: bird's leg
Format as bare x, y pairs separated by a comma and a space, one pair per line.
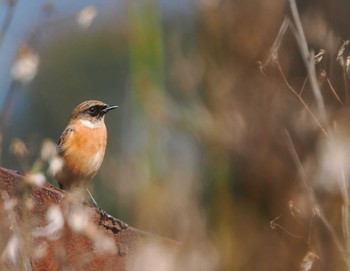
92, 198
104, 214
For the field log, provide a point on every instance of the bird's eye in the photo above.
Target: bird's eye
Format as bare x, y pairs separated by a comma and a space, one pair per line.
92, 109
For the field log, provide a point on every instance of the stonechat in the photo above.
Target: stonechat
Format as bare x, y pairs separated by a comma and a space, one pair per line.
82, 145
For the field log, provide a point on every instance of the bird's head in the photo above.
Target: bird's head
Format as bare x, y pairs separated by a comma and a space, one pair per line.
92, 112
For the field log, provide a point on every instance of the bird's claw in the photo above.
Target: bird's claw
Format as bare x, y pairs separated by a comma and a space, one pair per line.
105, 216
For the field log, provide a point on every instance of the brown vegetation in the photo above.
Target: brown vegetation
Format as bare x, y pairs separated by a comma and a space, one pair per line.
34, 234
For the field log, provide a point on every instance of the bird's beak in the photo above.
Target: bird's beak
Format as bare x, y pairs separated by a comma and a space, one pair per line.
108, 108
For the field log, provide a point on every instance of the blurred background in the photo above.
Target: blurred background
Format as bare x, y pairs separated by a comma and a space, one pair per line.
210, 146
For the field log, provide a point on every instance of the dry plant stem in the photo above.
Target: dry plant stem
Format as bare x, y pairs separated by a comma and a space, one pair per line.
308, 60
346, 86
313, 200
345, 224
21, 231
277, 42
3, 30
310, 228
300, 99
274, 225
7, 21
334, 92
303, 86
7, 105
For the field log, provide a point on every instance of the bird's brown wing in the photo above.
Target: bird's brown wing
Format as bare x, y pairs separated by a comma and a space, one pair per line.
63, 138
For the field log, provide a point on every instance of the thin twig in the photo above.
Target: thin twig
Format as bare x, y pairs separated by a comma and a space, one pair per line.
313, 200
3, 30
308, 60
7, 105
342, 62
310, 228
303, 86
300, 99
6, 110
7, 20
346, 87
277, 42
334, 92
274, 225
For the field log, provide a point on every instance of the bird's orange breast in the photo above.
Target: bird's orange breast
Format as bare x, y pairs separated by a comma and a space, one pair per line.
84, 151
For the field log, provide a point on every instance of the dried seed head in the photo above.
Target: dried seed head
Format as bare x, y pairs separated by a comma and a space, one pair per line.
26, 64
86, 16
18, 148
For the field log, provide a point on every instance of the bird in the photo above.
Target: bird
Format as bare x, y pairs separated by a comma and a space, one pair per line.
81, 147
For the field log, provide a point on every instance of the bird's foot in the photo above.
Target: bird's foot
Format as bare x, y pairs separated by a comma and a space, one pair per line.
105, 216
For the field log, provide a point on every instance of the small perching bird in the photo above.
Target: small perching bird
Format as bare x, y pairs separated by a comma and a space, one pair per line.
82, 146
